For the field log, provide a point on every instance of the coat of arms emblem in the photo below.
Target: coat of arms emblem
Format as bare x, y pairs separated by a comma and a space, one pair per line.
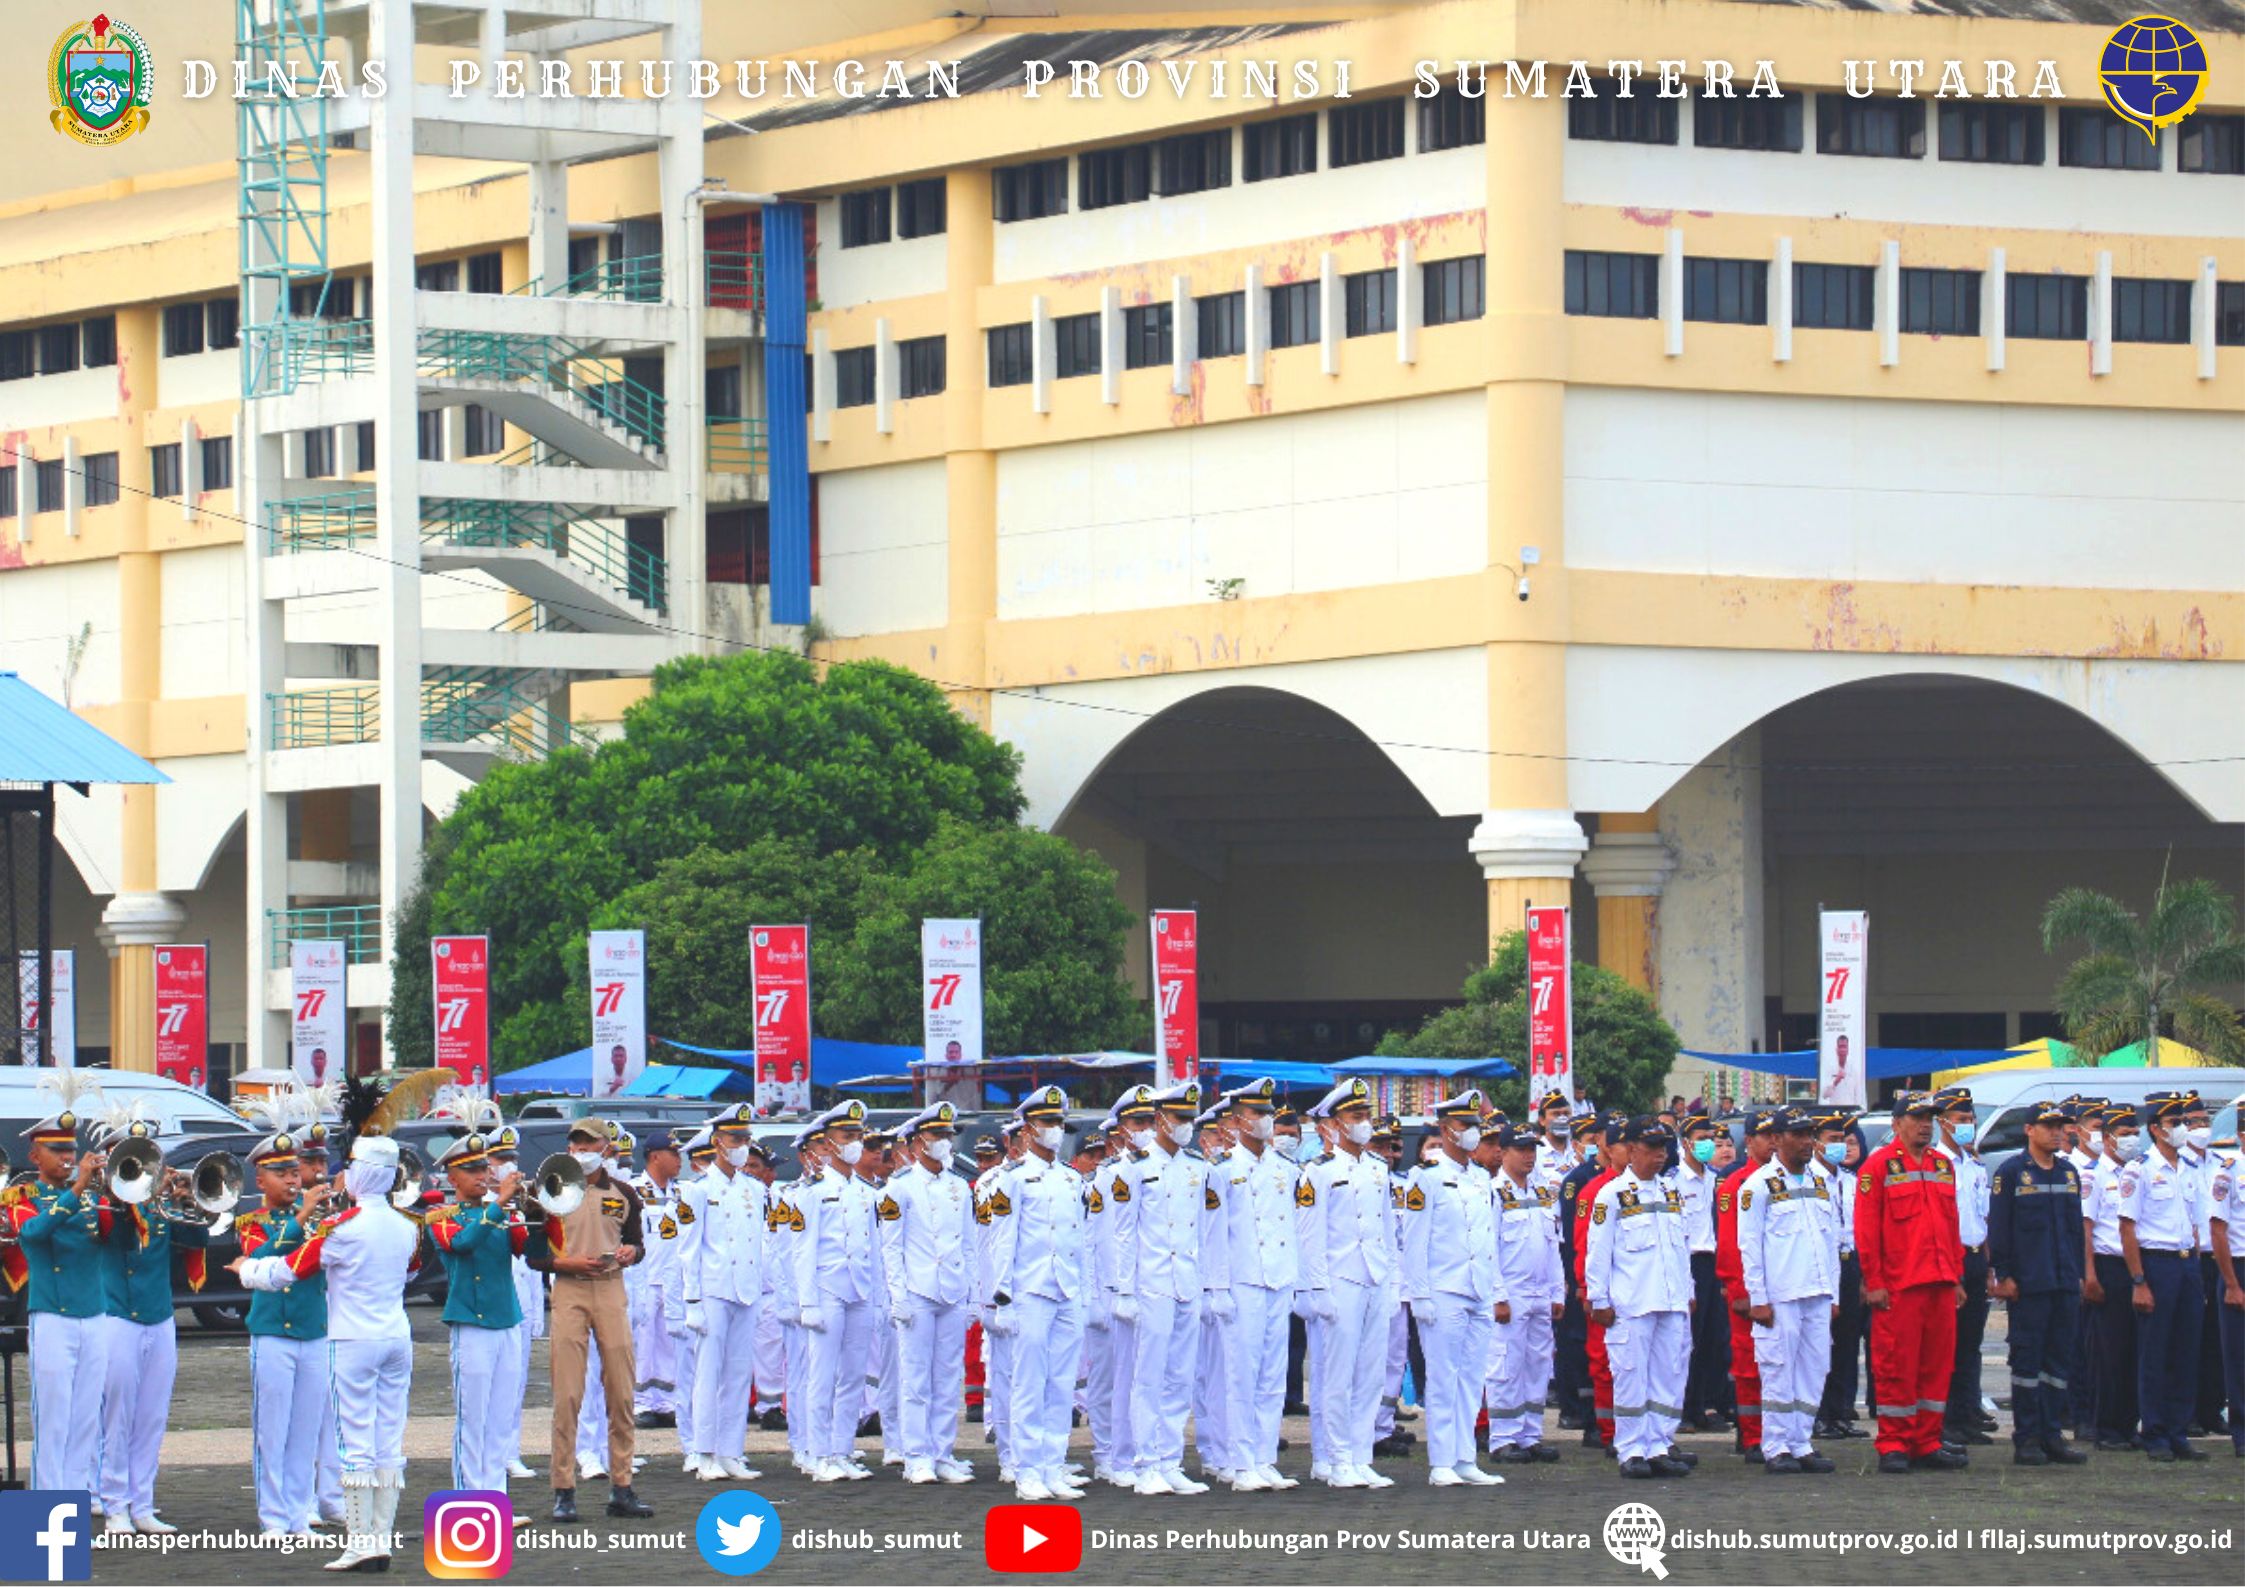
99, 79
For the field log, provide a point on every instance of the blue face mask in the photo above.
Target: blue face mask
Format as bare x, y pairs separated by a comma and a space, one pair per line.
1965, 1133
1703, 1151
1835, 1151
1589, 1151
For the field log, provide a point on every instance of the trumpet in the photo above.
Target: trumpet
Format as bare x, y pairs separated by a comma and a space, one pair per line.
560, 1185
134, 1170
413, 1170
216, 1185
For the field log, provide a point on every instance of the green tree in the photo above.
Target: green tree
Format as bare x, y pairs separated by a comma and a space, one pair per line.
1623, 1048
2143, 974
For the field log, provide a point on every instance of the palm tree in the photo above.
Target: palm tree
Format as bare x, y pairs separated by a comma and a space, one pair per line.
2142, 973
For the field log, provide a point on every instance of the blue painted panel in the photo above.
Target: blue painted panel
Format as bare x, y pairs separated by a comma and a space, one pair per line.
786, 313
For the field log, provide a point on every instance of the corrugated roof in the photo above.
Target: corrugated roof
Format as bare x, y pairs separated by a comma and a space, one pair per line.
42, 741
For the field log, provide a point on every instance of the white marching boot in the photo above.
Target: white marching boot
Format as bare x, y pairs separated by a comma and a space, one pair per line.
360, 1511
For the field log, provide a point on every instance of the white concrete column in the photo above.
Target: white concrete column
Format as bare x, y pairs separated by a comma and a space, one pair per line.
1410, 301
1628, 864
822, 388
1886, 304
1184, 336
1994, 288
1044, 354
2100, 315
27, 490
1515, 845
886, 375
1257, 305
2205, 323
1711, 951
73, 485
1672, 293
1781, 302
1110, 345
258, 458
549, 224
680, 163
1329, 307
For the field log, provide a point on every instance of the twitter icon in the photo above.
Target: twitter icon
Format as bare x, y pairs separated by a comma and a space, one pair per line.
738, 1533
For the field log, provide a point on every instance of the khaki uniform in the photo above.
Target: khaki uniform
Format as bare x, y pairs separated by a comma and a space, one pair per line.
596, 1308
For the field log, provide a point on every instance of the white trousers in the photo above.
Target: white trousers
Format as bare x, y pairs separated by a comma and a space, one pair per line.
723, 1361
517, 1389
931, 1359
287, 1403
483, 1366
1253, 1374
689, 1348
67, 1378
1313, 1370
1044, 1382
1122, 1377
837, 1375
1211, 1395
802, 1419
369, 1381
773, 1363
1520, 1378
1794, 1353
654, 1352
1650, 1355
1165, 1353
1391, 1376
1454, 1335
997, 1392
1349, 1368
1099, 1391
140, 1362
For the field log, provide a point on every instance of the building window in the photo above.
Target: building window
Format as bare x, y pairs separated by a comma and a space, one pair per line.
8, 503
2150, 311
1770, 125
1075, 345
1881, 129
920, 210
1360, 134
1617, 285
1012, 353
101, 342
2213, 144
1193, 162
1941, 302
58, 348
1642, 117
1223, 324
163, 471
48, 482
1294, 314
101, 479
429, 436
222, 323
920, 363
443, 276
584, 257
854, 378
1285, 147
1029, 192
1726, 291
2098, 140
486, 274
865, 217
218, 462
2229, 314
2047, 308
1368, 302
15, 355
485, 433
1991, 133
1107, 177
1148, 332
1451, 121
364, 432
319, 454
183, 330
1454, 289
1834, 297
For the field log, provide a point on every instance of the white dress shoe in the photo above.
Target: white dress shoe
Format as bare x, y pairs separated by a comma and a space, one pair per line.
117, 1524
830, 1471
1249, 1481
1345, 1476
856, 1470
1005, 1473
890, 1457
1180, 1483
1444, 1477
1030, 1488
1060, 1487
919, 1471
1321, 1471
1471, 1473
1151, 1484
1074, 1470
1372, 1479
519, 1468
1124, 1479
948, 1470
738, 1469
149, 1524
1276, 1479
589, 1469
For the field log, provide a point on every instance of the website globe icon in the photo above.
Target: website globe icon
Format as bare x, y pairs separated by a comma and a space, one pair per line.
2154, 71
1636, 1535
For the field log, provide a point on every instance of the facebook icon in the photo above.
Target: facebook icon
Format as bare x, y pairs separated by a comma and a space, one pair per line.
46, 1535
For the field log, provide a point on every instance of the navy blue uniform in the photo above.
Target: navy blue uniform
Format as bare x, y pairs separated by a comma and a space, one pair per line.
1571, 1339
2034, 1241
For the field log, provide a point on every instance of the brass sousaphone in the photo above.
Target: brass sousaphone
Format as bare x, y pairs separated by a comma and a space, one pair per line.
134, 1170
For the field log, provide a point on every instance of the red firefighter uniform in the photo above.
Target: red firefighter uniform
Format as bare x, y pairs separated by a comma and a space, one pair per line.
1907, 1243
1601, 1364
1730, 1272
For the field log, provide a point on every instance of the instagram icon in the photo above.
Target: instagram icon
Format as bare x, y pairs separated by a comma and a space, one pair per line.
467, 1535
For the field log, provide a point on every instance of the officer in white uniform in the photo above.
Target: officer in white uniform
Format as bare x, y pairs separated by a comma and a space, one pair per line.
837, 1288
1259, 1238
1527, 1218
1452, 1283
1107, 1340
654, 1348
1036, 1294
1169, 1261
1387, 1438
696, 1150
1557, 1156
723, 1246
1789, 1246
530, 1296
1212, 1430
787, 1226
926, 1218
1349, 1286
997, 1350
1637, 1284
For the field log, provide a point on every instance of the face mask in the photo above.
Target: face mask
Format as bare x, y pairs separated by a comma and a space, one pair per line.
1048, 1137
850, 1151
2198, 1137
2096, 1141
2126, 1147
1703, 1151
1143, 1140
1589, 1150
941, 1152
1288, 1146
737, 1156
1262, 1126
1965, 1133
1468, 1139
1359, 1133
1181, 1134
1834, 1151
2176, 1134
588, 1161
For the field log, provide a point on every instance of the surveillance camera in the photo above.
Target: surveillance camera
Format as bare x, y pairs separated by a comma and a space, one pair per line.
1521, 589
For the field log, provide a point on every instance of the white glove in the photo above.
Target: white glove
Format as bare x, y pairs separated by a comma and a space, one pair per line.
1321, 1305
1126, 1308
697, 1318
1102, 1317
814, 1318
901, 1315
1003, 1323
1221, 1305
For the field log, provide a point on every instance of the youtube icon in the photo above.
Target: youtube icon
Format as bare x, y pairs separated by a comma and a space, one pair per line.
1033, 1537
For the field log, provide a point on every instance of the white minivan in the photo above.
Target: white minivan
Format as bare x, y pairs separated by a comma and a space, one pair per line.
2001, 1098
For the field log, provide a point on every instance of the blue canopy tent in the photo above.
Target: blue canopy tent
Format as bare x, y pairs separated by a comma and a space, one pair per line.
570, 1075
1885, 1063
840, 1064
1441, 1068
676, 1080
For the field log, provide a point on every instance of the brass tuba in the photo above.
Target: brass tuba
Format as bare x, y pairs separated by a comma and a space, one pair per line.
134, 1170
560, 1185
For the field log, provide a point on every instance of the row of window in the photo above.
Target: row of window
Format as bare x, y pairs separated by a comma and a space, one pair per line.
1841, 297
166, 480
59, 349
50, 480
1986, 132
1453, 290
921, 372
910, 209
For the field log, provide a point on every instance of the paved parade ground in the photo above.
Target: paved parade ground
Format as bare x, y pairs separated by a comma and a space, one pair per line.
1545, 1525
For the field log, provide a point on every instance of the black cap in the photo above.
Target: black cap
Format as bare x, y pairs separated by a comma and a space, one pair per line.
1915, 1102
1760, 1119
1950, 1098
2052, 1113
1512, 1136
1645, 1129
1792, 1121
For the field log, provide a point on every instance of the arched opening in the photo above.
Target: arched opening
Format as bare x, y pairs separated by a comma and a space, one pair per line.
1335, 904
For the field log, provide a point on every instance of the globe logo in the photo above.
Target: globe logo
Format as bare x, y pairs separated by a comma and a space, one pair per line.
1636, 1535
2154, 72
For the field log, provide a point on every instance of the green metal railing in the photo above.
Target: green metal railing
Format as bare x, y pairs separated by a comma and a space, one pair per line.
309, 718
736, 281
357, 926
589, 543
737, 446
338, 348
320, 523
535, 618
597, 381
635, 280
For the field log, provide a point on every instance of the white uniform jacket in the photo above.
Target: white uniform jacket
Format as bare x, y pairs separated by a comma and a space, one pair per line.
834, 1253
1037, 1231
1527, 1241
1450, 1235
723, 1244
1169, 1225
1260, 1235
1788, 1234
1347, 1222
927, 1236
1640, 1258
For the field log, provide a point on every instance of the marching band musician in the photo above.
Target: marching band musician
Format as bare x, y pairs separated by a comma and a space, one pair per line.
369, 1252
724, 1222
926, 1218
318, 1186
530, 1300
479, 1239
288, 1366
57, 1231
141, 1354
